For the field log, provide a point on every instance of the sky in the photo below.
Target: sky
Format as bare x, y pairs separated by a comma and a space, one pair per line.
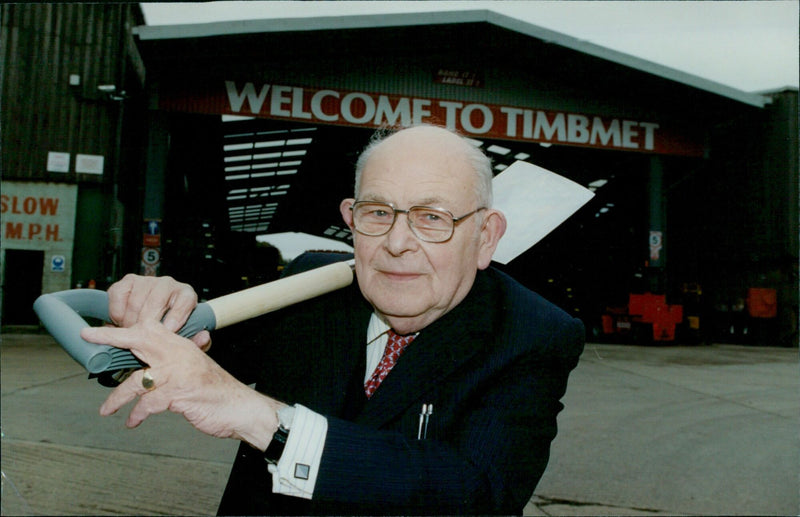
748, 45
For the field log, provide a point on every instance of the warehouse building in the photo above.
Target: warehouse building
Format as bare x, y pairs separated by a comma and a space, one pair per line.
71, 98
253, 127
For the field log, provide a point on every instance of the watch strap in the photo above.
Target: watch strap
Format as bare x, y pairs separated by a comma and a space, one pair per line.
275, 448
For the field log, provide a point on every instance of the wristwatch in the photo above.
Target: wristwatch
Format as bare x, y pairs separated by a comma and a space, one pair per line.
275, 448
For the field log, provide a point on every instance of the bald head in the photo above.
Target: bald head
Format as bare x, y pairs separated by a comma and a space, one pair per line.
435, 141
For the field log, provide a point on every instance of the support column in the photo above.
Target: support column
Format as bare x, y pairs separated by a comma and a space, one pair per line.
657, 224
155, 180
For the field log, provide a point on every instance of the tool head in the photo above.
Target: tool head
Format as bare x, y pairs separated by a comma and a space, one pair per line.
535, 201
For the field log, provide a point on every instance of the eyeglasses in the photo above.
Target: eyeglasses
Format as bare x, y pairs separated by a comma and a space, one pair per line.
428, 224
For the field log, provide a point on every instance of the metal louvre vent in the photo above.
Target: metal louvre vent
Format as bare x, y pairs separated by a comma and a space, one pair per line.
260, 168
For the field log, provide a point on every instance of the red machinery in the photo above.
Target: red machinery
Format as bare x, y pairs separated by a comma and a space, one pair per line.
647, 317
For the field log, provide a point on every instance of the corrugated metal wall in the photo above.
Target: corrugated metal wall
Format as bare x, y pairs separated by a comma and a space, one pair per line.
42, 46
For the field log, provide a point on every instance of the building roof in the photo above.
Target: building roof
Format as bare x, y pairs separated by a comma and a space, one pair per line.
202, 30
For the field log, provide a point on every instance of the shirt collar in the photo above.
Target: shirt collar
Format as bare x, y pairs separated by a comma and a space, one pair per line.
376, 328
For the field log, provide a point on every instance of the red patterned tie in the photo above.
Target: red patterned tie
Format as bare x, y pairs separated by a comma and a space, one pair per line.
394, 347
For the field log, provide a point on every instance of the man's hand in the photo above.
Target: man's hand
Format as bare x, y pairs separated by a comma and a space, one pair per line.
145, 298
186, 381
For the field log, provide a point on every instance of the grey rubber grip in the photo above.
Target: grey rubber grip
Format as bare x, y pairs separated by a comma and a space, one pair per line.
62, 314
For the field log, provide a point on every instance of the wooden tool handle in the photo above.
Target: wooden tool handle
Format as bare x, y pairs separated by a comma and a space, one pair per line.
255, 301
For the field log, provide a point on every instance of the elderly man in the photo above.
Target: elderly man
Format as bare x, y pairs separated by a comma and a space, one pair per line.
431, 387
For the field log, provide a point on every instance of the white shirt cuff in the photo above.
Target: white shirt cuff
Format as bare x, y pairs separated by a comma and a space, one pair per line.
296, 471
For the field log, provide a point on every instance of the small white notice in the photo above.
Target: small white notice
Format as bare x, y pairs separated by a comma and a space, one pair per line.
57, 162
89, 163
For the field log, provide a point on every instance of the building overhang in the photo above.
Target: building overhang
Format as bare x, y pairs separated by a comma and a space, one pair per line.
327, 23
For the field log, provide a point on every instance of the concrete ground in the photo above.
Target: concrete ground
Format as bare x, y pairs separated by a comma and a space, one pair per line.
705, 430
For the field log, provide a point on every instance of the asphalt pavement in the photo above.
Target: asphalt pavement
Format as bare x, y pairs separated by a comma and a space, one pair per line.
668, 430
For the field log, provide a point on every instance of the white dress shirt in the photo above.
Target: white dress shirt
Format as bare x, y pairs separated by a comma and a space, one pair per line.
297, 470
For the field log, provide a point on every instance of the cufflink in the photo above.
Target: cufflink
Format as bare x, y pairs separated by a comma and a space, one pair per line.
301, 471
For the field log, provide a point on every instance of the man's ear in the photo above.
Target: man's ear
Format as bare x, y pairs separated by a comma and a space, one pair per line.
494, 226
347, 214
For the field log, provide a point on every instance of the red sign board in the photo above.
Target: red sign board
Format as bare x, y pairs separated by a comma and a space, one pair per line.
369, 109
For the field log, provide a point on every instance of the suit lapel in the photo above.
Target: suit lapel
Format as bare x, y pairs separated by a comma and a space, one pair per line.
343, 326
438, 351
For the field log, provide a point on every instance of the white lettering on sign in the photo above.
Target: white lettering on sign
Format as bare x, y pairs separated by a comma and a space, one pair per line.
249, 93
279, 98
316, 105
297, 103
488, 120
358, 102
450, 109
399, 115
484, 113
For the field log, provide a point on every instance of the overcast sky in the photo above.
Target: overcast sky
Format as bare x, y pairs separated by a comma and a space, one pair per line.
748, 45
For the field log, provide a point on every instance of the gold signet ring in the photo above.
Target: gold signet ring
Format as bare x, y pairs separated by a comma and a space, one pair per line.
148, 382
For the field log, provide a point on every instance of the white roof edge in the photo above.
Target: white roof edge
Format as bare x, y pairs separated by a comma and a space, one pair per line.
365, 21
200, 30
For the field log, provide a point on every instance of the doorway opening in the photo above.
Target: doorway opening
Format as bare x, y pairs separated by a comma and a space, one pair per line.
22, 274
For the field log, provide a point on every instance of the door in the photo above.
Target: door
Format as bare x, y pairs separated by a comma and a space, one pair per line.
22, 275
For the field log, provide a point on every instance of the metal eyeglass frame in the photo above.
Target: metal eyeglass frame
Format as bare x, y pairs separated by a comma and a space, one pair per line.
395, 211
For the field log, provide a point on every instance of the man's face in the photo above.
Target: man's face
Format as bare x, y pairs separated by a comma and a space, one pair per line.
411, 283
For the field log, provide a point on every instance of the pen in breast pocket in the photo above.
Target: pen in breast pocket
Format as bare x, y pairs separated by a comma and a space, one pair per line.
428, 414
421, 420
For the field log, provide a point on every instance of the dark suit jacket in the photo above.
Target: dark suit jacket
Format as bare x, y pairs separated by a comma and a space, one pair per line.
494, 369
